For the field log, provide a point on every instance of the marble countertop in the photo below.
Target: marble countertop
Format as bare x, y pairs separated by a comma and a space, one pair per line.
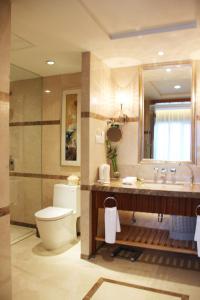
185, 190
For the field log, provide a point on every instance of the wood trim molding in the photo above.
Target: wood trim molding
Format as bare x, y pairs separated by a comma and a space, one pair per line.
92, 115
86, 257
23, 224
33, 123
41, 176
97, 285
86, 187
4, 211
105, 118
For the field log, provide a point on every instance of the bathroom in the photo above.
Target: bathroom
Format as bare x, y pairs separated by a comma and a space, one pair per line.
111, 84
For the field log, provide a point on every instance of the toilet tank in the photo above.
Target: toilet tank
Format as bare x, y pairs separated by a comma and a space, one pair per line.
67, 196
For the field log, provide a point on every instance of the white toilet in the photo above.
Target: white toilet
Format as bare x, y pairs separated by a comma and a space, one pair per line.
57, 224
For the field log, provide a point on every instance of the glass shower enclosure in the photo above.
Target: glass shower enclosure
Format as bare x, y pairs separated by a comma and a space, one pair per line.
25, 151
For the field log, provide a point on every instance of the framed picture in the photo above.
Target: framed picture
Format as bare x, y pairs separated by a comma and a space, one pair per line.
70, 128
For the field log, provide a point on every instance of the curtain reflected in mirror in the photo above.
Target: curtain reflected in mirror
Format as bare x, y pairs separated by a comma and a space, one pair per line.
70, 141
167, 132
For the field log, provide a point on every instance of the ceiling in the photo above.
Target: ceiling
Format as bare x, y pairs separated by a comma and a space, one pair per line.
17, 73
159, 84
62, 29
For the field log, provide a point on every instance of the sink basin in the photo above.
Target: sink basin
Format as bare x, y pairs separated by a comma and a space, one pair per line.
158, 185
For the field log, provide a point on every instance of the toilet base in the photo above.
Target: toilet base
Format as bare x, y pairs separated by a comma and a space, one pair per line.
57, 233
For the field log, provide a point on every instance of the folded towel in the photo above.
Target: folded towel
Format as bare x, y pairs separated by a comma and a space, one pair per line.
112, 224
129, 180
197, 235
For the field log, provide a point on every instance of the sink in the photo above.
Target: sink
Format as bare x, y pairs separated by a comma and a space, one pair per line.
167, 185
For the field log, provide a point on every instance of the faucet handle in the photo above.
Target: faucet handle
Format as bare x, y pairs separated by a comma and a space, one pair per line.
163, 171
173, 171
156, 170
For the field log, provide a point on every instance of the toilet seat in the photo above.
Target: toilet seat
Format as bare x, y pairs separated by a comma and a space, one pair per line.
53, 213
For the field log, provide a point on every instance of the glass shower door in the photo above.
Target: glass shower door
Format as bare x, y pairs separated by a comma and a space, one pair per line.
25, 150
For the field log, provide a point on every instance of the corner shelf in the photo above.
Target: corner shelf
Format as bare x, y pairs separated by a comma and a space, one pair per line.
151, 238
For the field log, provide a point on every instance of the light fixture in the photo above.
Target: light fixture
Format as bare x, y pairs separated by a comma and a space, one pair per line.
50, 62
47, 91
173, 27
168, 70
122, 99
177, 87
160, 53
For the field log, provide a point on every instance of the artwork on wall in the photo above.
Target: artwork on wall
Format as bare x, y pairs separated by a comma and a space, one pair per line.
70, 129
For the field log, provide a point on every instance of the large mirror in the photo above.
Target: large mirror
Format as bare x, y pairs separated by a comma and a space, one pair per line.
167, 113
70, 133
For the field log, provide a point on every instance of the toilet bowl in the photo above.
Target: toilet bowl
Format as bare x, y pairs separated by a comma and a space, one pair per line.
57, 224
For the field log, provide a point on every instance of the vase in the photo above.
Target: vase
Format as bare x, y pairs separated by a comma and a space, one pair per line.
116, 174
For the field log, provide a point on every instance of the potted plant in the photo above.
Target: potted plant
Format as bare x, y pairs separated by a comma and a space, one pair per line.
111, 152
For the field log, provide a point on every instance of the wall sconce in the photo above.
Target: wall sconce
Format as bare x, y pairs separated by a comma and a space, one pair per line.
122, 99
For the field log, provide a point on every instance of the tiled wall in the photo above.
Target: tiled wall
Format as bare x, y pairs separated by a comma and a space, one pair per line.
126, 81
128, 148
101, 87
25, 149
35, 120
51, 108
96, 90
5, 276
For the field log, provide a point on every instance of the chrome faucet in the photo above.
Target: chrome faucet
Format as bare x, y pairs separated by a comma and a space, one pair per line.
156, 171
163, 174
173, 173
188, 166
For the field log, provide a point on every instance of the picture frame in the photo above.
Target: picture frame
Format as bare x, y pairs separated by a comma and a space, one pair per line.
70, 128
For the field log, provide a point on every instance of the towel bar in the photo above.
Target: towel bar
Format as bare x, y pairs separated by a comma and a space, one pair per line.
197, 214
110, 198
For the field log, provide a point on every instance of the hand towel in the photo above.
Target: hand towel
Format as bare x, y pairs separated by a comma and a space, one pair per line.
112, 224
129, 180
197, 235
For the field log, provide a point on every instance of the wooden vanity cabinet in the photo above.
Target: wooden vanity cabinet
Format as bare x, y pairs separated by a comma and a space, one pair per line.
141, 236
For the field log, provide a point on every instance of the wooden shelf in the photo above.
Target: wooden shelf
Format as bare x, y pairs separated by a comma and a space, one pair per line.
151, 238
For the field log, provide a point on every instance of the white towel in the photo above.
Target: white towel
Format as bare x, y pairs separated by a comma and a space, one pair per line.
197, 235
129, 180
112, 224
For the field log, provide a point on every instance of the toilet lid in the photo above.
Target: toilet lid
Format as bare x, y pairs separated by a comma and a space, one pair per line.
53, 213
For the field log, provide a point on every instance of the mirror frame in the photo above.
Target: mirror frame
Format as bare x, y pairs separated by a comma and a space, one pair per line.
65, 162
141, 158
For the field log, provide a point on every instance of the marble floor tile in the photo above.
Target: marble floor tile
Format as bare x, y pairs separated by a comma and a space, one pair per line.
38, 274
17, 233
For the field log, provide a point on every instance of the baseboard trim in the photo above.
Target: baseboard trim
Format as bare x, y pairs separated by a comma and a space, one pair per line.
86, 257
22, 224
4, 211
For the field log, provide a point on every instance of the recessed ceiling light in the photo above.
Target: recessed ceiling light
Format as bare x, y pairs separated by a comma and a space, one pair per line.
47, 91
177, 86
168, 70
160, 53
50, 62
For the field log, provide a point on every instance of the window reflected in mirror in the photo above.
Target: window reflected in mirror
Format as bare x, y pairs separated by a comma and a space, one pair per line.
167, 107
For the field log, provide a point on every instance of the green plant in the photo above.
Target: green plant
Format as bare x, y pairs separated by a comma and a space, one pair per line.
111, 152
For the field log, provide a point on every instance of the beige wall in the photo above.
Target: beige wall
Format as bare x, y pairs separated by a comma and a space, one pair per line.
26, 149
100, 87
51, 111
126, 81
36, 148
96, 92
5, 276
